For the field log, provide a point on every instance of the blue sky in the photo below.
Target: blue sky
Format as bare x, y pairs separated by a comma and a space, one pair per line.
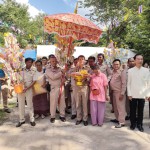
54, 6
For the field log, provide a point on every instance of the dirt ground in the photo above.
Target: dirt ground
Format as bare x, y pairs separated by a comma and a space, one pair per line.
68, 136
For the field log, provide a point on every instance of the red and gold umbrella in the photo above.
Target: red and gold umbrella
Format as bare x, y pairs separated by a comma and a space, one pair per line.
73, 26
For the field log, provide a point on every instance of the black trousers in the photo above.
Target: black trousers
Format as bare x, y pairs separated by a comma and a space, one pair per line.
136, 111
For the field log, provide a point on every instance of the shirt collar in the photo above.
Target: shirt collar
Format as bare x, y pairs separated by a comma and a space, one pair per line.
97, 75
28, 69
118, 71
138, 68
80, 68
101, 64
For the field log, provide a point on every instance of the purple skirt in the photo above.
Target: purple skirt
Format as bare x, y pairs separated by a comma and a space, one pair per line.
41, 104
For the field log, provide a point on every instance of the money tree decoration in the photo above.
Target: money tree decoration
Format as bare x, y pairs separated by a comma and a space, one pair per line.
112, 52
64, 49
14, 57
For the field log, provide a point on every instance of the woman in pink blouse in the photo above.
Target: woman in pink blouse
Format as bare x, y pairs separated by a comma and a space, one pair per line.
98, 96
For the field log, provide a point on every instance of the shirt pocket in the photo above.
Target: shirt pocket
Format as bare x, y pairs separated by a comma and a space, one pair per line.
28, 77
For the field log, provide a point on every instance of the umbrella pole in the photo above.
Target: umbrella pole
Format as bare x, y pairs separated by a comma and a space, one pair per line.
69, 47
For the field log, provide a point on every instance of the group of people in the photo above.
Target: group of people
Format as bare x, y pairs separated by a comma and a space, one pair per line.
51, 89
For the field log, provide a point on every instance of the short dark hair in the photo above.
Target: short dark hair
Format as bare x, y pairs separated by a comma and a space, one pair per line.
96, 67
101, 54
44, 57
117, 60
92, 57
29, 59
69, 63
75, 59
51, 56
137, 55
129, 59
81, 56
38, 61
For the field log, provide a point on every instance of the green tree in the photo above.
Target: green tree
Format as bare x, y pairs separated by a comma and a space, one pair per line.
36, 29
114, 15
124, 24
138, 37
16, 15
1, 40
13, 13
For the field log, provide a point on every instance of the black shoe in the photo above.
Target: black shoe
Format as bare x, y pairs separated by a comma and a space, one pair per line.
141, 129
67, 112
112, 111
33, 123
52, 120
63, 119
19, 124
119, 125
73, 117
69, 107
132, 127
7, 110
57, 111
114, 121
127, 118
78, 122
85, 123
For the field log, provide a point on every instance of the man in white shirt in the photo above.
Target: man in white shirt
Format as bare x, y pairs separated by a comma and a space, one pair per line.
137, 91
148, 93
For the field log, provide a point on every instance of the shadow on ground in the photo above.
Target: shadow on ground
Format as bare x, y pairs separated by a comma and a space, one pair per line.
68, 136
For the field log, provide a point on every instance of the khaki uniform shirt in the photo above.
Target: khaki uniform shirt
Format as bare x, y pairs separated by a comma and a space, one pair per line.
28, 76
118, 81
106, 70
54, 76
72, 79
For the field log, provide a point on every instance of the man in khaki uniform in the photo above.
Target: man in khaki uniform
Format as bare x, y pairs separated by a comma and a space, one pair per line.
56, 79
118, 87
104, 68
4, 90
68, 88
91, 63
27, 94
82, 94
73, 93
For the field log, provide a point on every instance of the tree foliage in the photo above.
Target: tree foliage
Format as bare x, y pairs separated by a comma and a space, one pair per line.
13, 13
122, 23
16, 19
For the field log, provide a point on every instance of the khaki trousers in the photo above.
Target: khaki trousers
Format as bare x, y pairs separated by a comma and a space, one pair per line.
54, 95
5, 96
119, 107
73, 101
82, 102
67, 95
28, 95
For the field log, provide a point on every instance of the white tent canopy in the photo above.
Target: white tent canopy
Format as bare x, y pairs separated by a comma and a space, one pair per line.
46, 50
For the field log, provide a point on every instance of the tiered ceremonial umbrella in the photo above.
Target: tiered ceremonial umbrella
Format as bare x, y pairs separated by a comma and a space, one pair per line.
70, 26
